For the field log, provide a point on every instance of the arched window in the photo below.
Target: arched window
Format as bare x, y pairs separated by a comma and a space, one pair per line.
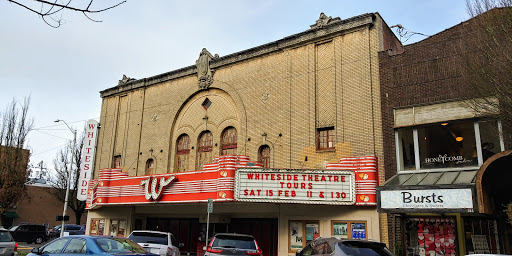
264, 156
182, 152
204, 149
150, 166
228, 141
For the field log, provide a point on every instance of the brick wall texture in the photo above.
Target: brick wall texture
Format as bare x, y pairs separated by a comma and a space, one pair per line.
427, 72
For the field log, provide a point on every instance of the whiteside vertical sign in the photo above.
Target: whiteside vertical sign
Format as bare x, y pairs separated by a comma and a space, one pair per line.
88, 153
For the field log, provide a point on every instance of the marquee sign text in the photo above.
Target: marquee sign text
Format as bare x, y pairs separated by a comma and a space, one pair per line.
295, 186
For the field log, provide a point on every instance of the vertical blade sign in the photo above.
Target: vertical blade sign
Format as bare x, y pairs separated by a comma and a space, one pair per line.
88, 153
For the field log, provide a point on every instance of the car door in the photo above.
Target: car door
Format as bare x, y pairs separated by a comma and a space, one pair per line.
54, 248
76, 246
174, 246
23, 233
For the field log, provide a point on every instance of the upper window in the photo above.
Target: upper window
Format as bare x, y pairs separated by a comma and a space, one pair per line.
182, 152
264, 156
204, 149
229, 141
150, 166
117, 162
445, 145
325, 138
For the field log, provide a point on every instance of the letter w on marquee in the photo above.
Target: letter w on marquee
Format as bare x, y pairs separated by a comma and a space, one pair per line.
149, 185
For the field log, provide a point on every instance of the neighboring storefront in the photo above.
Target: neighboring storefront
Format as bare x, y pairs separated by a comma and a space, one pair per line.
433, 199
447, 164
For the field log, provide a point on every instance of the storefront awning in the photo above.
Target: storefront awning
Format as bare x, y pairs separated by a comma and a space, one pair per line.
11, 215
428, 192
432, 178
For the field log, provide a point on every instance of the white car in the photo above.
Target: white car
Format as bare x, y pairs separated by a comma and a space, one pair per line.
162, 243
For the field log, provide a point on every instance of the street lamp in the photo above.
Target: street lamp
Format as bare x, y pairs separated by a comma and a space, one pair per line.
69, 177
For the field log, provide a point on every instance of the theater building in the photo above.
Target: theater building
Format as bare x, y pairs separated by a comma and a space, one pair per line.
285, 139
447, 166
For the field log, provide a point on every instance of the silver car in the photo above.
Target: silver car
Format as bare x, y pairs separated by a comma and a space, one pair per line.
7, 245
162, 243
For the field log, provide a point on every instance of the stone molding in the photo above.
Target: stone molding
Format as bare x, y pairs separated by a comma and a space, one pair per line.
330, 30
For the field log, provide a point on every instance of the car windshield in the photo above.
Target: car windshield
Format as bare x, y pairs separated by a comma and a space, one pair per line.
118, 245
241, 242
357, 248
5, 236
13, 228
149, 237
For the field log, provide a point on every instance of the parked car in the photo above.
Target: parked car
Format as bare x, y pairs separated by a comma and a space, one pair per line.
90, 245
232, 244
344, 247
29, 233
72, 229
7, 245
161, 243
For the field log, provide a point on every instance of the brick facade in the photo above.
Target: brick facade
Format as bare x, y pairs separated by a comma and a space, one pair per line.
39, 206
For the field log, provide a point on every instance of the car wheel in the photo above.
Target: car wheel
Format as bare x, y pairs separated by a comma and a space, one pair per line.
39, 240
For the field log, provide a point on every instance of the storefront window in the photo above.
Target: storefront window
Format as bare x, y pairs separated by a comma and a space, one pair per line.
431, 236
349, 229
301, 232
489, 136
481, 236
406, 144
447, 145
97, 227
117, 227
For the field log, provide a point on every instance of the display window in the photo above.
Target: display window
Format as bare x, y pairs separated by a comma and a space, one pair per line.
301, 232
431, 236
349, 229
454, 144
97, 227
117, 227
482, 236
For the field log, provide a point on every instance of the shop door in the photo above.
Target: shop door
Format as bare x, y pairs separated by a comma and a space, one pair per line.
263, 230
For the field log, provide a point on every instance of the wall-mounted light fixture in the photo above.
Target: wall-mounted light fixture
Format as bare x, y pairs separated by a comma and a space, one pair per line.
264, 137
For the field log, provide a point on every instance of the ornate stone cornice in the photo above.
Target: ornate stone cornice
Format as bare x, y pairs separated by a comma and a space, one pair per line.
330, 30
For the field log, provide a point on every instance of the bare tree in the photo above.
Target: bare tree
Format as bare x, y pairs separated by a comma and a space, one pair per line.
51, 11
14, 128
60, 181
489, 62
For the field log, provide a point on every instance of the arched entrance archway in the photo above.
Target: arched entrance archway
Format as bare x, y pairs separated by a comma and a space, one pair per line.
494, 191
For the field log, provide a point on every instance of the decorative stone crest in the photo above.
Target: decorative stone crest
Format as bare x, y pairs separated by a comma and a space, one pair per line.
204, 72
323, 21
125, 80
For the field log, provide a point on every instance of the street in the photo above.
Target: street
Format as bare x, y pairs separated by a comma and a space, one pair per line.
25, 248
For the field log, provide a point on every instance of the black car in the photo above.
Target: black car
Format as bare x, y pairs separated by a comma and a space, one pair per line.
72, 229
233, 244
344, 247
29, 233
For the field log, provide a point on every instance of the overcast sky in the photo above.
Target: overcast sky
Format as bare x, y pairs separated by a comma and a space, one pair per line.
63, 69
